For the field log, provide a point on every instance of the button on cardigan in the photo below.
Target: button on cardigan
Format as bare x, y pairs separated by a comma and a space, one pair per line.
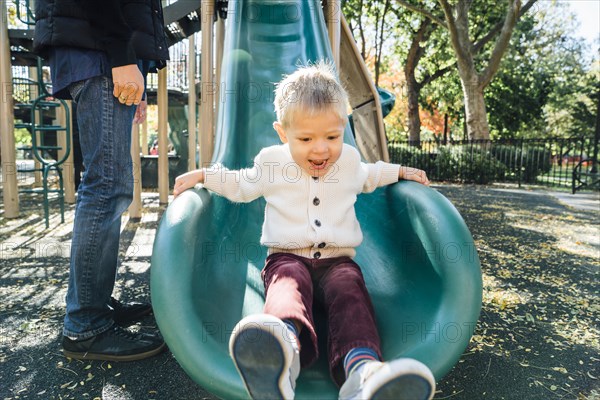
302, 214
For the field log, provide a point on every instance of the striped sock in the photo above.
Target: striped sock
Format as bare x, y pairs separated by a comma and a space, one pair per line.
357, 357
291, 326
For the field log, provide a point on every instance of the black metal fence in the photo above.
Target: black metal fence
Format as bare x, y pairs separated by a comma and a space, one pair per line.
548, 161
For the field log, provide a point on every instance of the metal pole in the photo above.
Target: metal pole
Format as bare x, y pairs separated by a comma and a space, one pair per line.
163, 139
207, 91
10, 192
520, 167
192, 102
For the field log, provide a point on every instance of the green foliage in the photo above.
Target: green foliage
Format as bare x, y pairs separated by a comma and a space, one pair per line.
469, 164
536, 161
22, 137
545, 85
447, 165
463, 163
373, 26
540, 89
515, 99
476, 163
585, 106
415, 157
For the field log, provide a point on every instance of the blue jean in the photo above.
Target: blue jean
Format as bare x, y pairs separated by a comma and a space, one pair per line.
104, 194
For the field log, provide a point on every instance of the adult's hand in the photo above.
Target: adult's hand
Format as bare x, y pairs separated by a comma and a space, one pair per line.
128, 84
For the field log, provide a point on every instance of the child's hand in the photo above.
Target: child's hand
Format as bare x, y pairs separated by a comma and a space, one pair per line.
187, 180
140, 112
413, 174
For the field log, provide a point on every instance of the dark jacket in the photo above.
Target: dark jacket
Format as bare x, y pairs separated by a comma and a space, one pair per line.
127, 30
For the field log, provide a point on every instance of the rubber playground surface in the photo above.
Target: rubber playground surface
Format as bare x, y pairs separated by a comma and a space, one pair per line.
538, 335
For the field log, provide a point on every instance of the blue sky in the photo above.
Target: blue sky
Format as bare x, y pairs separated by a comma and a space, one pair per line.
588, 14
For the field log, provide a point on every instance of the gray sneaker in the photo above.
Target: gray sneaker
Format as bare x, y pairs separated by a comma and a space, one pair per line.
401, 379
266, 356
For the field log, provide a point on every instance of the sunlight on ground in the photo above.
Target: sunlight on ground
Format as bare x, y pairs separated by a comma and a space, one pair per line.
571, 236
500, 296
110, 391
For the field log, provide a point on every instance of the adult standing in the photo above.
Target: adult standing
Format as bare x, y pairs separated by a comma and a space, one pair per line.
94, 48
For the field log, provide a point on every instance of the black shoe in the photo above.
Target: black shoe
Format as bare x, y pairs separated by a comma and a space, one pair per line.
129, 312
116, 344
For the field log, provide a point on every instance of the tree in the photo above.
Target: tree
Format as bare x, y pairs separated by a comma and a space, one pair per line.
364, 19
413, 87
586, 110
433, 52
420, 45
474, 78
541, 87
516, 98
370, 23
538, 88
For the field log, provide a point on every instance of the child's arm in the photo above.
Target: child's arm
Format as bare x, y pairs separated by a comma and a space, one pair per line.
239, 186
413, 174
382, 174
188, 180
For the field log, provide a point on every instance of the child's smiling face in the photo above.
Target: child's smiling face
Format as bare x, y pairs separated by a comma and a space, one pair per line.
315, 141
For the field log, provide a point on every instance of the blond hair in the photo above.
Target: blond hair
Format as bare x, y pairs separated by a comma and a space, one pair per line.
311, 89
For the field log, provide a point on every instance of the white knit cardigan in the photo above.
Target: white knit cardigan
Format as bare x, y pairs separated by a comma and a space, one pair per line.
306, 216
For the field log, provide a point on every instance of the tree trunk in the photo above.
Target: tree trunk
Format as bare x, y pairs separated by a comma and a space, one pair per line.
475, 112
414, 120
474, 83
597, 134
445, 128
380, 31
413, 87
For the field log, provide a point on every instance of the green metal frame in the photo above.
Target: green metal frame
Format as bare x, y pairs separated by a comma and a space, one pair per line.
47, 165
30, 20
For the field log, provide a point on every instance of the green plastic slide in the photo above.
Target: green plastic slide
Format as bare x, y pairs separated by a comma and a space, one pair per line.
418, 257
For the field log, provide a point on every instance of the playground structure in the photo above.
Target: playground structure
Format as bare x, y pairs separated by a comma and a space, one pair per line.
177, 120
423, 271
30, 86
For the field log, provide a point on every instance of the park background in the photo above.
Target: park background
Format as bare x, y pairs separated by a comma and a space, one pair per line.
538, 336
532, 101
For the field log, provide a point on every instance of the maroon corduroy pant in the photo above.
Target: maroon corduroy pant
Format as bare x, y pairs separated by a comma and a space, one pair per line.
294, 284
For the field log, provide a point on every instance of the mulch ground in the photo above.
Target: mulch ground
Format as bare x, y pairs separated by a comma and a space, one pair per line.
537, 337
538, 334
